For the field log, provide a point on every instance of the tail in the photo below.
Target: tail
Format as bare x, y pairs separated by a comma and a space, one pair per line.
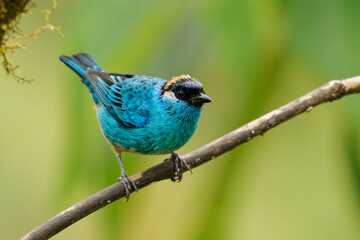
80, 63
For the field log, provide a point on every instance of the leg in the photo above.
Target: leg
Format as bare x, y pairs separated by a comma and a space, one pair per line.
124, 177
179, 165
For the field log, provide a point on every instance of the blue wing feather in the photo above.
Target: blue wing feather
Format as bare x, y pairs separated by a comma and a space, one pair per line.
132, 100
128, 100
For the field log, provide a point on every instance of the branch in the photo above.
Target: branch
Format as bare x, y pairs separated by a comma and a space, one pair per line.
331, 91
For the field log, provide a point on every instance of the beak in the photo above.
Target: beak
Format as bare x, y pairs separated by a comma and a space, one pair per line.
202, 98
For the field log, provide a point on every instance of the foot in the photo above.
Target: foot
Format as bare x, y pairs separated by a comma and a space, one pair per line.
179, 165
128, 184
125, 178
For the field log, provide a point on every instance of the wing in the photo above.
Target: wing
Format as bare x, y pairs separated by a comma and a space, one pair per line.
127, 97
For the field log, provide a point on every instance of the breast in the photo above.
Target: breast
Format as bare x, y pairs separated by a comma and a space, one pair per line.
172, 128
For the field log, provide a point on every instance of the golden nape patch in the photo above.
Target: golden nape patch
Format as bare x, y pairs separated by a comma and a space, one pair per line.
175, 79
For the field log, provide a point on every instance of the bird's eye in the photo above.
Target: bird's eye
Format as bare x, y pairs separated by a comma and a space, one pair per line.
180, 94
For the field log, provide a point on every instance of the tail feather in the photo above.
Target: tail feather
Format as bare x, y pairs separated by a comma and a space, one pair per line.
80, 63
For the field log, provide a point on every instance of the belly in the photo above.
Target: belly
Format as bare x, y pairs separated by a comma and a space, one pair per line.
160, 136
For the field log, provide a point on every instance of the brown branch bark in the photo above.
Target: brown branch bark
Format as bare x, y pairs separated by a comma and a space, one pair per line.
331, 91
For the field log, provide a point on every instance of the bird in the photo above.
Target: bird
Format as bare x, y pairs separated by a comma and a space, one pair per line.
142, 114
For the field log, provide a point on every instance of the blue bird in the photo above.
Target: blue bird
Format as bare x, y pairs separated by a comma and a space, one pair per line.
142, 114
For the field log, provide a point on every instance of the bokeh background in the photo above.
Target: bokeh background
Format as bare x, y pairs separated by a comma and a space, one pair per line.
300, 181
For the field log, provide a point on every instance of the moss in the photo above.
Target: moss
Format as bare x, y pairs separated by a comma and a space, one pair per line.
10, 14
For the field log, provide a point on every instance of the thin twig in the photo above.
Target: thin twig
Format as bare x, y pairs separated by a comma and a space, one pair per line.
331, 91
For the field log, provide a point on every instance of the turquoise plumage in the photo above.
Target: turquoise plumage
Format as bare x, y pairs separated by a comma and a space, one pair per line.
142, 114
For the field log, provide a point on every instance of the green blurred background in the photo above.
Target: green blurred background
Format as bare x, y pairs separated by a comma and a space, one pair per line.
300, 181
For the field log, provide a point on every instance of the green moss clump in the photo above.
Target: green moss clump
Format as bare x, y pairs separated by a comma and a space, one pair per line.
10, 14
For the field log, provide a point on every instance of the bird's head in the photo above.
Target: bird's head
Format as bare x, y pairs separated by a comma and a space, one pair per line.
187, 89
